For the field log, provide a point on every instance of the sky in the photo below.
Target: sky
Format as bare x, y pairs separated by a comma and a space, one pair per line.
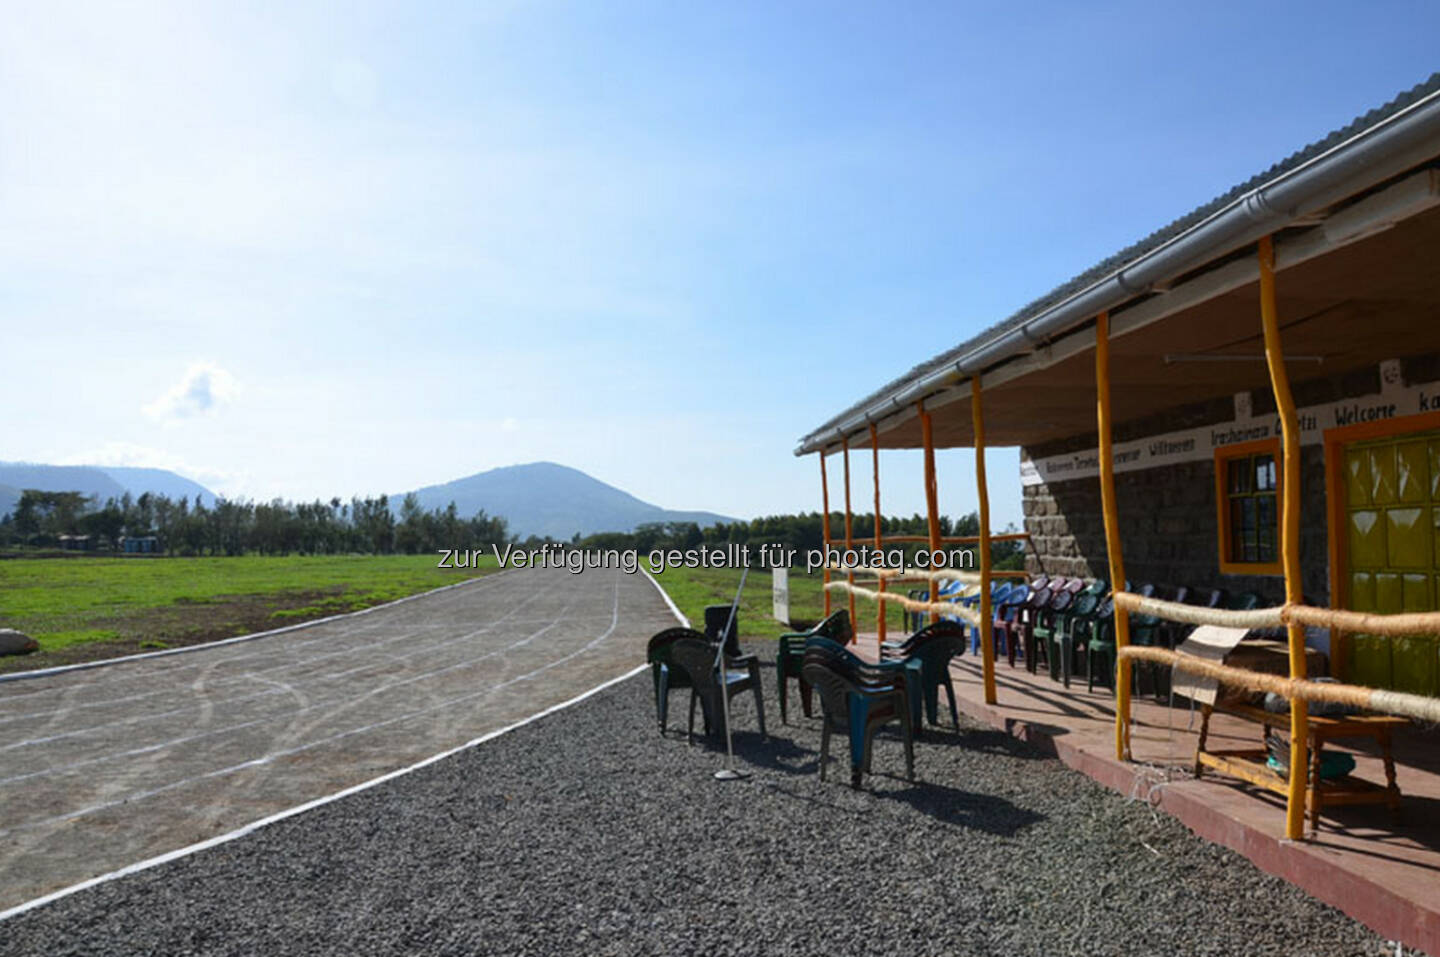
304, 250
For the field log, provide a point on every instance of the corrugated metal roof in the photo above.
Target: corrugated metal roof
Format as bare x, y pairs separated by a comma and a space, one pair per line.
1135, 251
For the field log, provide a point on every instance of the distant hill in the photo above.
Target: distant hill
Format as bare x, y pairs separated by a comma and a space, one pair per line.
158, 481
100, 481
543, 498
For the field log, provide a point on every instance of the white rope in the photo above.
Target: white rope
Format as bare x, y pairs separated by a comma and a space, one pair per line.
1372, 699
909, 604
1355, 622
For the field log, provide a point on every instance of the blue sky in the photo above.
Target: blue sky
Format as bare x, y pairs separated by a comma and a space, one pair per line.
290, 252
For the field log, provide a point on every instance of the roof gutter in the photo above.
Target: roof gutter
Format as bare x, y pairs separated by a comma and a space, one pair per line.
1399, 142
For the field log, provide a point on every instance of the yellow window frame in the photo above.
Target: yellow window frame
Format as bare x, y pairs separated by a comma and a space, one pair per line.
1223, 457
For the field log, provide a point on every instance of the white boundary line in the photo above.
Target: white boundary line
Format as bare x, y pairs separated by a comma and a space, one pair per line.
203, 646
330, 798
666, 595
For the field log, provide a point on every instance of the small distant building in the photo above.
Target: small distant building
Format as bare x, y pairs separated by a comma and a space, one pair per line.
77, 543
139, 544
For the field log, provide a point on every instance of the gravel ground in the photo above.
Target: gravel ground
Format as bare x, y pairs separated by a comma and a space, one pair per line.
586, 832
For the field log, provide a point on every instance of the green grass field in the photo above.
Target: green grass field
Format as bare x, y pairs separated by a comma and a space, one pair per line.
155, 603
693, 588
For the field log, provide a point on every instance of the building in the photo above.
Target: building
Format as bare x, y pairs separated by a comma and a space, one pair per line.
1351, 224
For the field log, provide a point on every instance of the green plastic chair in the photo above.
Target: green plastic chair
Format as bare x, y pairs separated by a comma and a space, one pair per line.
790, 660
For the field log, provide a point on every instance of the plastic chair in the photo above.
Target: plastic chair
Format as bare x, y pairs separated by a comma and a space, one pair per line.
791, 657
1070, 632
998, 592
932, 648
1031, 615
664, 673
857, 707
1101, 645
1006, 625
696, 656
909, 670
1049, 623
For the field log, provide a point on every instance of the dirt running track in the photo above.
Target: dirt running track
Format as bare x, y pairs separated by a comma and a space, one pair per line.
105, 767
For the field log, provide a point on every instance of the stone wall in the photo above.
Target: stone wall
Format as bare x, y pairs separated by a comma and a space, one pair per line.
1168, 524
1168, 527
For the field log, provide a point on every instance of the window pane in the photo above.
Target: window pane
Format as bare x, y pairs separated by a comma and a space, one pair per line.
1264, 473
1236, 532
1266, 528
1239, 475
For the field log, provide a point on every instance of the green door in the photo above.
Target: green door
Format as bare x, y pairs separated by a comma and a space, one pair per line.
1392, 504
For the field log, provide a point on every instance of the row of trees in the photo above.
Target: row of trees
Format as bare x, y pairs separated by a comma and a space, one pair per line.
801, 532
180, 526
372, 526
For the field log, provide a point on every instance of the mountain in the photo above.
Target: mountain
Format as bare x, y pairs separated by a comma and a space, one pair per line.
159, 481
543, 498
92, 480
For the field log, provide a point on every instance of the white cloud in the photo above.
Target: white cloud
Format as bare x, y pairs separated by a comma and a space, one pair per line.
509, 424
204, 389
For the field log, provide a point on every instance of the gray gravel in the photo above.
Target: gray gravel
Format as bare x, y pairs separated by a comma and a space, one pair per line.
586, 832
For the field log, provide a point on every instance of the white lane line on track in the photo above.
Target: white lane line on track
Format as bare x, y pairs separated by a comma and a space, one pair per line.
329, 798
669, 603
272, 756
282, 666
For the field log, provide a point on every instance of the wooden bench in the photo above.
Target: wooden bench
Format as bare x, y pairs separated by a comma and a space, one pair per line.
1249, 764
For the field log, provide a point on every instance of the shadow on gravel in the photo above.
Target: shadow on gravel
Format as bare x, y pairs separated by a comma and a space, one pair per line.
984, 740
967, 809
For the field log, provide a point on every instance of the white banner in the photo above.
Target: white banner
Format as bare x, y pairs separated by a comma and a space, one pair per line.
1190, 445
780, 593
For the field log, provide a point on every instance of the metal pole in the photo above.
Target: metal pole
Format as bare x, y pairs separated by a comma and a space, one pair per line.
729, 772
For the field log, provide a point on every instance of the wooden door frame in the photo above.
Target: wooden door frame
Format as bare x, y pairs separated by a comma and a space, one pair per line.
1336, 440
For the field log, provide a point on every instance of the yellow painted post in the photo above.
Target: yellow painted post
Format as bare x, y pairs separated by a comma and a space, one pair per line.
932, 492
1289, 535
849, 532
825, 531
879, 541
987, 638
1112, 534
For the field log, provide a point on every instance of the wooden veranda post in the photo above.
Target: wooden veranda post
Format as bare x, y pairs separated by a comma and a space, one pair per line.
932, 493
849, 531
825, 531
879, 541
987, 644
1289, 535
1112, 534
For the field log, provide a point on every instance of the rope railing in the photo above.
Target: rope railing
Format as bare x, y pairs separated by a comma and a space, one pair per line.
909, 575
1356, 696
1355, 622
909, 604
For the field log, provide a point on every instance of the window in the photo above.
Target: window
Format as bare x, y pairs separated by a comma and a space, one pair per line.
1247, 490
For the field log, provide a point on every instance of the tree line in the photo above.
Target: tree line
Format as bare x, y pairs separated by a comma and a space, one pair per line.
802, 531
372, 526
237, 527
